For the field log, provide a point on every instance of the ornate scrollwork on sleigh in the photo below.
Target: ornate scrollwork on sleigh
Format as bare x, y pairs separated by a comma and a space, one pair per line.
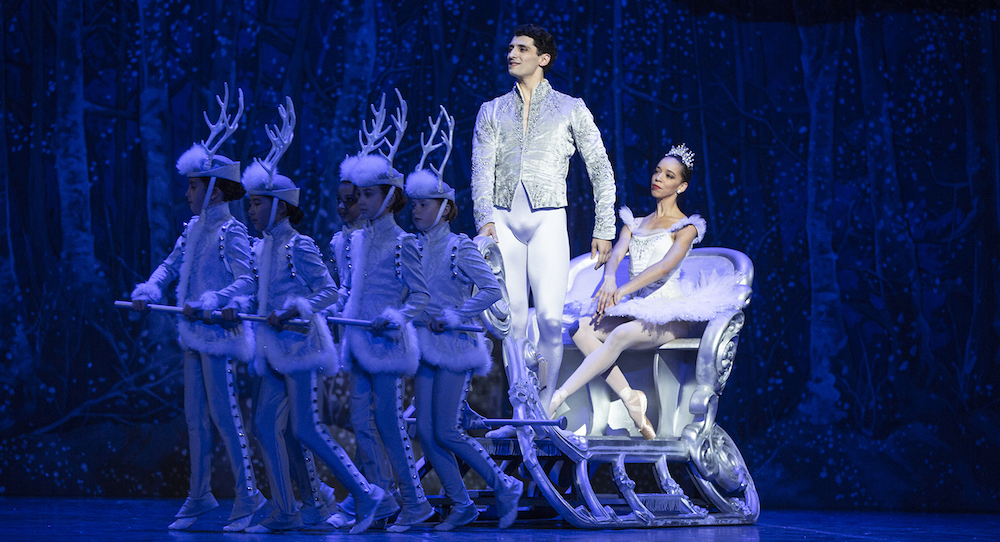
698, 476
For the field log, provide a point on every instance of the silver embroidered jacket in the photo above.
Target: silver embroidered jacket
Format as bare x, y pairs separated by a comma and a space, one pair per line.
503, 155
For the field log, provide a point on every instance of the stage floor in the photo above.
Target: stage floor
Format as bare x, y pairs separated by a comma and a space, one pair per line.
108, 520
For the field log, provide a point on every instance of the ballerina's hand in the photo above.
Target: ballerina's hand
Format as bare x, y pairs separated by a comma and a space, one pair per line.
605, 296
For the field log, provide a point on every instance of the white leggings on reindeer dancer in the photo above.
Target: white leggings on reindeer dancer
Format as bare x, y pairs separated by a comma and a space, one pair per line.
535, 249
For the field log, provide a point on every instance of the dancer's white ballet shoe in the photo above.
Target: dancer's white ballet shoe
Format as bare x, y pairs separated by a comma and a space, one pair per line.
459, 515
507, 498
367, 505
636, 405
409, 518
506, 431
180, 524
238, 525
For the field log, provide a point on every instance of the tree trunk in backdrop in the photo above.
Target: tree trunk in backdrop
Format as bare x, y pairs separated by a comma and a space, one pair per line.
154, 128
77, 256
821, 46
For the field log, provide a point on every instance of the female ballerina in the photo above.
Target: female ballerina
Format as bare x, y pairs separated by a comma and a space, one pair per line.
452, 266
211, 259
644, 312
386, 287
293, 282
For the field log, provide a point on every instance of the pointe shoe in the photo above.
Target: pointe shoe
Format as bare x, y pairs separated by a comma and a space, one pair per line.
558, 398
636, 406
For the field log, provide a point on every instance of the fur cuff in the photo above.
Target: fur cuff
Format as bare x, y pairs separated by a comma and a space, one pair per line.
395, 317
452, 317
209, 301
146, 291
242, 303
301, 303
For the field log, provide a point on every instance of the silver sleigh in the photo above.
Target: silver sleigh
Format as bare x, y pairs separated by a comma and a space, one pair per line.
692, 473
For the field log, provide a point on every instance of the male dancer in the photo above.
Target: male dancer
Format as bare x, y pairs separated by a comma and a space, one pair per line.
521, 149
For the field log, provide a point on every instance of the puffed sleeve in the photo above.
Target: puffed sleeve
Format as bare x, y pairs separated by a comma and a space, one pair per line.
237, 253
484, 160
313, 272
412, 276
165, 273
471, 263
588, 141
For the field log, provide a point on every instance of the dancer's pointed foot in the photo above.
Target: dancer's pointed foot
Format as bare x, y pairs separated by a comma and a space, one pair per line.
180, 524
507, 498
410, 517
506, 431
459, 515
558, 398
636, 405
238, 525
366, 505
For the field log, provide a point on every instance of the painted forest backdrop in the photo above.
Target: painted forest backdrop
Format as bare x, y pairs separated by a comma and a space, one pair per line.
850, 150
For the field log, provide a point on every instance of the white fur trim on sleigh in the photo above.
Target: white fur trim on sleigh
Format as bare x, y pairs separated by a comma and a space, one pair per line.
146, 291
392, 351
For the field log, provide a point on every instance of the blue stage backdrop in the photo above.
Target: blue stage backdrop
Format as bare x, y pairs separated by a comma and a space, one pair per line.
850, 151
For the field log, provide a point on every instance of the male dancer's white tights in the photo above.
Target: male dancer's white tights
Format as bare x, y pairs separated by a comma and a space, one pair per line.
535, 249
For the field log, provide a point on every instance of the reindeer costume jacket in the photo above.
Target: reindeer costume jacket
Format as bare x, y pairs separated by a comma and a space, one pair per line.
386, 279
211, 257
452, 265
291, 272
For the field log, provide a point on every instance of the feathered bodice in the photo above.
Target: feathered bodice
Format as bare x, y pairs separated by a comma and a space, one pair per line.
647, 249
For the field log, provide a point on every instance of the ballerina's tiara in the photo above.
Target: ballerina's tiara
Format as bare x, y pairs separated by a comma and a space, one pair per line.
684, 154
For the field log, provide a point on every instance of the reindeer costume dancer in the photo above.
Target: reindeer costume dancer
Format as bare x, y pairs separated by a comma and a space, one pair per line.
387, 287
449, 358
293, 282
369, 454
211, 258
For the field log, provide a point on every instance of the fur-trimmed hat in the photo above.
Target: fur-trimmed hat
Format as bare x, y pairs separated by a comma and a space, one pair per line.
428, 183
424, 184
372, 170
258, 182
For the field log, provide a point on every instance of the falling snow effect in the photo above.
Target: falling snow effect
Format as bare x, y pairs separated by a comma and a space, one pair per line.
852, 155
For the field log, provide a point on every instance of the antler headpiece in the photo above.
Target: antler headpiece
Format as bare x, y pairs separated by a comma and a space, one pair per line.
368, 167
262, 177
428, 183
201, 159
